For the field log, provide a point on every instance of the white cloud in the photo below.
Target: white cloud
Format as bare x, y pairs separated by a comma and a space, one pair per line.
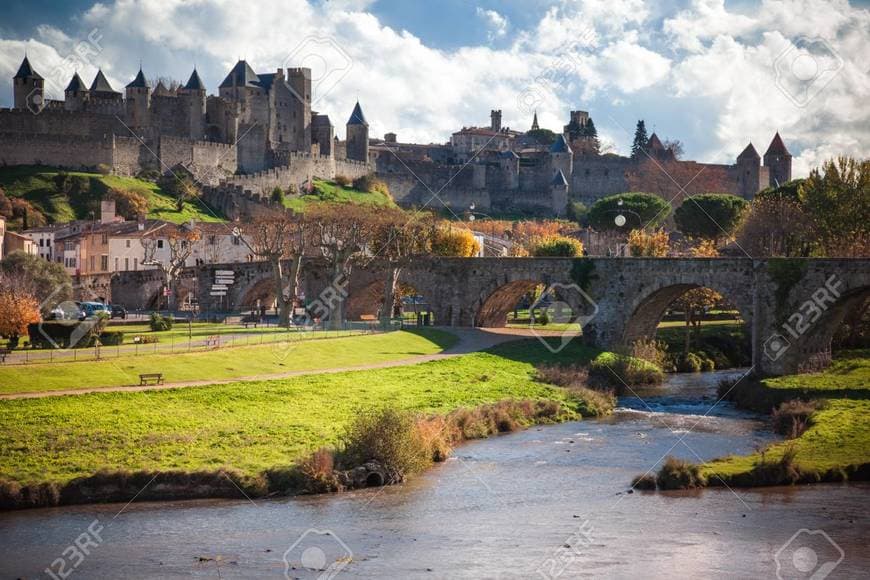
601, 55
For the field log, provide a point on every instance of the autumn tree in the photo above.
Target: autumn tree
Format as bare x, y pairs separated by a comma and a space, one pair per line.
180, 242
398, 238
46, 281
18, 307
451, 240
696, 302
558, 246
775, 227
129, 204
642, 243
280, 236
341, 234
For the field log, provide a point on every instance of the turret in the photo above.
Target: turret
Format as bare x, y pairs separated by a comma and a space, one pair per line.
358, 136
749, 172
138, 100
194, 98
299, 81
561, 157
495, 120
102, 90
559, 194
322, 134
777, 159
76, 94
28, 88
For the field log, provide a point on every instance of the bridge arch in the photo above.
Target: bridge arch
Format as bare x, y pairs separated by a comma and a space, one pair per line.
492, 310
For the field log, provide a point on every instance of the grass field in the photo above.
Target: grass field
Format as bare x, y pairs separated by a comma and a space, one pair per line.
36, 185
838, 438
250, 427
226, 363
327, 191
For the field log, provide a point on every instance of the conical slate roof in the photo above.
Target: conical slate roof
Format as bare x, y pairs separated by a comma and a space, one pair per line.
749, 153
559, 179
654, 143
101, 84
194, 83
160, 90
242, 75
76, 85
25, 71
560, 145
140, 82
777, 147
357, 117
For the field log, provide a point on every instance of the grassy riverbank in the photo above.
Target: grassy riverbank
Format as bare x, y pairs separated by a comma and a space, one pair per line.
298, 353
832, 443
249, 430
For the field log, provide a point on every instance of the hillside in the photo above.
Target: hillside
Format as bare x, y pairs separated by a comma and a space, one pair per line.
61, 199
328, 191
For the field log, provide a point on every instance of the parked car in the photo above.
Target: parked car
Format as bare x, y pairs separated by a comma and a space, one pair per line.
91, 309
67, 310
118, 311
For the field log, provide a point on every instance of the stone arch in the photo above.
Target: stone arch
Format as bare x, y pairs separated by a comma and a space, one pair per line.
262, 290
367, 300
644, 318
494, 308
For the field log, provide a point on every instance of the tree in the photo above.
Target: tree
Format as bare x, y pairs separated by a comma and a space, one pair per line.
675, 146
129, 204
710, 215
46, 281
558, 246
451, 240
180, 241
371, 184
278, 195
542, 136
836, 197
18, 308
282, 235
639, 210
398, 238
641, 140
341, 232
775, 226
648, 244
789, 190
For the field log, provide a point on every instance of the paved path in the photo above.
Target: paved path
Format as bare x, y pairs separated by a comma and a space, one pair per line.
470, 340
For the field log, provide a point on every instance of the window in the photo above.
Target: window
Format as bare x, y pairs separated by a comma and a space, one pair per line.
159, 244
128, 243
93, 263
236, 240
41, 242
105, 239
104, 263
135, 263
116, 263
126, 264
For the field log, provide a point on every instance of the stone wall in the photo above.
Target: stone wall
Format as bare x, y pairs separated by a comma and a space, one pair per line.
67, 151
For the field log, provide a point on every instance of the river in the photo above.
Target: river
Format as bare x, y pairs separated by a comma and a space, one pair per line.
548, 502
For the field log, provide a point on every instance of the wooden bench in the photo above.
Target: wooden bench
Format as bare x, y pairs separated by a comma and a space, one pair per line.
156, 378
246, 323
213, 341
4, 352
368, 318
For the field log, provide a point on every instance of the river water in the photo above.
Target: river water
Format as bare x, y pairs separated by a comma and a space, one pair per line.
545, 503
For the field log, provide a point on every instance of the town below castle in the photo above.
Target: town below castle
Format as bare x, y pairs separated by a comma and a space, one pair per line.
260, 132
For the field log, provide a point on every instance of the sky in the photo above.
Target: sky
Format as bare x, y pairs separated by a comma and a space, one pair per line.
715, 75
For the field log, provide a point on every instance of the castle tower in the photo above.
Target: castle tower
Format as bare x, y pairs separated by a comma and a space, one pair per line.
358, 136
495, 120
561, 157
299, 81
559, 194
749, 172
101, 90
28, 87
322, 133
509, 162
138, 101
76, 94
777, 159
193, 96
535, 126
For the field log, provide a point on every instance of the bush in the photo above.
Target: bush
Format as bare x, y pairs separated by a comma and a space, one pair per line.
644, 482
389, 437
558, 246
129, 204
159, 323
639, 210
793, 417
691, 363
614, 371
679, 474
318, 472
111, 338
371, 184
277, 195
343, 180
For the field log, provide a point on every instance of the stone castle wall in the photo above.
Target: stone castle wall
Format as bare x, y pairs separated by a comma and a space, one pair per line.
300, 167
67, 151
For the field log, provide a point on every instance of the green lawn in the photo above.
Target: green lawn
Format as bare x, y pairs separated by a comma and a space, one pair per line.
297, 354
839, 434
328, 191
251, 426
36, 185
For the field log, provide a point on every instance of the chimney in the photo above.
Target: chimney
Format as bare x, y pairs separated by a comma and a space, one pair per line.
107, 211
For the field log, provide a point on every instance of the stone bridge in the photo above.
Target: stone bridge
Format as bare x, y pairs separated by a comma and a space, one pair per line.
791, 306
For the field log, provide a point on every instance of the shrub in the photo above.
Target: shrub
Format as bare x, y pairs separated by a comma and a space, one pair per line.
645, 482
111, 338
318, 472
389, 437
679, 474
343, 180
558, 246
278, 195
639, 210
650, 350
793, 417
592, 403
145, 339
648, 244
614, 371
371, 184
562, 376
690, 363
129, 204
160, 323
104, 169
707, 364
784, 470
454, 241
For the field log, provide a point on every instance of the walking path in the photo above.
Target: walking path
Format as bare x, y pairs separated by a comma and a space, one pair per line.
470, 340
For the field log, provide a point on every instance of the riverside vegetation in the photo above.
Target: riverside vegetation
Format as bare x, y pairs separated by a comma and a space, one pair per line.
260, 436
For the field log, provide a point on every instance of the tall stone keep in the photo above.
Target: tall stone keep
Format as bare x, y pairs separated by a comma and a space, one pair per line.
495, 120
778, 161
358, 136
138, 100
193, 96
29, 87
749, 168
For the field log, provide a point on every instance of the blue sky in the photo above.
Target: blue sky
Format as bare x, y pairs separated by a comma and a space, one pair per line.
702, 71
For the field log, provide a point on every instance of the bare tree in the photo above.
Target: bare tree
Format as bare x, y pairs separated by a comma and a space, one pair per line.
180, 241
341, 233
280, 236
